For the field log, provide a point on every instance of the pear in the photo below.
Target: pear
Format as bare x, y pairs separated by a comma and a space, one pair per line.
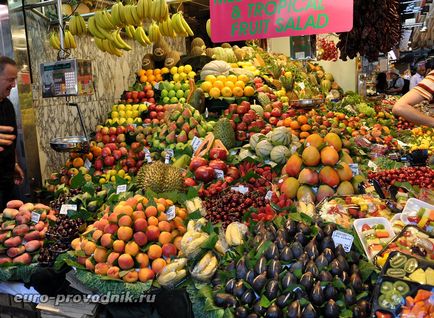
192, 133
171, 137
186, 113
186, 127
201, 131
180, 122
182, 137
193, 122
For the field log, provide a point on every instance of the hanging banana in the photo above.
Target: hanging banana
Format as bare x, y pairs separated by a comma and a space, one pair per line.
54, 41
119, 42
154, 32
141, 37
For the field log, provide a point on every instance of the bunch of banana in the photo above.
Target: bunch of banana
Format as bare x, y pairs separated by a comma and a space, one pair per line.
206, 267
173, 273
154, 32
107, 46
97, 31
234, 233
166, 28
131, 15
191, 243
159, 10
55, 40
196, 225
141, 37
181, 26
119, 42
194, 205
69, 40
130, 30
118, 14
103, 20
77, 26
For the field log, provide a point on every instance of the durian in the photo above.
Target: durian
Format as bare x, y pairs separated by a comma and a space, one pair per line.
224, 131
159, 178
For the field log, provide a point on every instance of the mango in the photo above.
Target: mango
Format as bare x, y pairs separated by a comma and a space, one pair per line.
329, 176
23, 259
332, 139
39, 226
21, 229
311, 156
305, 194
290, 186
8, 225
308, 176
5, 259
324, 191
13, 241
345, 157
34, 235
14, 204
41, 206
314, 140
10, 213
27, 207
32, 246
293, 165
4, 236
329, 156
345, 188
344, 171
15, 251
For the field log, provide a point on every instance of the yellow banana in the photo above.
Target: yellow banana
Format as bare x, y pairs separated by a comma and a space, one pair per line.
71, 40
73, 25
157, 12
141, 9
93, 29
116, 18
103, 20
128, 15
164, 10
66, 43
119, 42
99, 44
178, 26
169, 26
81, 24
152, 8
134, 14
114, 50
55, 41
141, 37
148, 9
154, 32
122, 13
206, 267
129, 31
186, 26
106, 46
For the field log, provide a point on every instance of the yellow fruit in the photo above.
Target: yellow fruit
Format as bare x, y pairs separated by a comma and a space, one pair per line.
232, 78
164, 70
219, 84
249, 91
230, 85
240, 84
226, 92
243, 78
210, 78
174, 70
222, 78
237, 91
187, 68
181, 69
214, 92
206, 86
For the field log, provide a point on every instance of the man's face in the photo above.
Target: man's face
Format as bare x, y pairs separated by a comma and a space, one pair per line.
421, 70
7, 80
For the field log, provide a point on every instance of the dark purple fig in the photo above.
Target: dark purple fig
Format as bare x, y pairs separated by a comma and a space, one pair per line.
317, 295
241, 312
327, 242
239, 289
272, 252
274, 269
307, 280
320, 235
248, 297
344, 264
250, 276
303, 228
330, 292
231, 266
258, 239
291, 227
354, 269
349, 296
325, 276
311, 249
280, 243
230, 285
253, 315
329, 228
309, 312
321, 261
339, 250
273, 312
296, 266
356, 283
329, 255
364, 305
304, 258
331, 309
361, 309
258, 309
241, 269
300, 294
345, 278
297, 249
286, 254
301, 238
224, 300
311, 267
271, 228
261, 265
282, 233
294, 310
283, 300
288, 279
271, 289
216, 281
259, 282
335, 267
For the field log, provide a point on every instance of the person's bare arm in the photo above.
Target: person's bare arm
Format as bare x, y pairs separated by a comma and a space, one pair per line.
404, 108
6, 136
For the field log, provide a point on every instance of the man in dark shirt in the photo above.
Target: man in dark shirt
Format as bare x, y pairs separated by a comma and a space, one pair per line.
10, 171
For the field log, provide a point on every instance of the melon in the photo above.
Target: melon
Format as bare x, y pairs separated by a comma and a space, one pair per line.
258, 110
280, 154
263, 148
255, 138
280, 136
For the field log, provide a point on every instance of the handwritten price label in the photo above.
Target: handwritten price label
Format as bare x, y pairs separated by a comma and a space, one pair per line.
169, 155
344, 239
240, 189
67, 207
195, 143
87, 164
219, 174
121, 188
35, 217
269, 195
147, 155
354, 168
171, 213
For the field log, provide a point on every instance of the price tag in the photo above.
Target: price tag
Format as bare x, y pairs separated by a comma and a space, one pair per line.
206, 112
301, 84
354, 168
157, 85
240, 189
299, 55
232, 152
269, 195
64, 208
171, 213
121, 188
169, 154
219, 174
372, 165
267, 162
195, 143
87, 164
147, 155
344, 239
35, 217
401, 144
134, 125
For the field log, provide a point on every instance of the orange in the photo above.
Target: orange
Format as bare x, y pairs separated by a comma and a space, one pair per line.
304, 134
149, 72
231, 85
158, 77
210, 78
206, 86
77, 163
161, 207
165, 237
164, 70
240, 84
157, 71
152, 220
302, 119
168, 202
141, 72
237, 91
151, 211
287, 122
214, 92
305, 127
222, 78
143, 79
158, 265
181, 213
294, 125
243, 77
151, 78
249, 91
96, 151
226, 92
231, 78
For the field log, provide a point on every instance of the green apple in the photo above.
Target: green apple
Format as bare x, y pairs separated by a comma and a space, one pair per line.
180, 93
182, 100
166, 100
173, 100
185, 86
178, 86
164, 93
172, 93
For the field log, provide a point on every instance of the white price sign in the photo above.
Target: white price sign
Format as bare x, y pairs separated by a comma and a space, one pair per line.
67, 207
171, 213
169, 154
269, 195
121, 188
35, 217
87, 164
240, 189
219, 174
344, 239
195, 143
354, 168
372, 165
147, 155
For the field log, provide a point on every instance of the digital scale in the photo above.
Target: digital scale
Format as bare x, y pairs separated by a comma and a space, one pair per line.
70, 77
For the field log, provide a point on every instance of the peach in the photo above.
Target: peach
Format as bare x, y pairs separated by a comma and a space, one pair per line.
165, 237
113, 272
23, 259
153, 220
132, 202
112, 258
151, 211
107, 240
14, 204
146, 274
75, 244
15, 251
125, 220
101, 224
140, 238
310, 156
142, 259
111, 228
177, 242
5, 259
125, 233
89, 248
158, 265
10, 213
13, 241
132, 248
138, 215
33, 246
119, 246
164, 226
20, 229
89, 265
139, 206
162, 217
169, 250
140, 225
39, 226
27, 207
96, 235
34, 235
101, 269
154, 251
126, 261
153, 232
123, 209
113, 218
131, 276
100, 254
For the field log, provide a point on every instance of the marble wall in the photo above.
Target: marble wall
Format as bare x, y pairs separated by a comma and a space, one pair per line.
112, 75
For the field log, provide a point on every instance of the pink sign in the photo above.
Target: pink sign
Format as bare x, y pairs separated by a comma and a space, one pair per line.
236, 20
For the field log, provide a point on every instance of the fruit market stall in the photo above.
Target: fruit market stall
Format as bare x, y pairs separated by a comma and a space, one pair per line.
247, 184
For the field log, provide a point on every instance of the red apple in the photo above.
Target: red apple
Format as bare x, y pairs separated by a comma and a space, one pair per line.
218, 164
109, 161
112, 138
276, 112
273, 120
218, 153
233, 172
189, 182
106, 151
128, 95
197, 162
204, 173
98, 164
141, 95
134, 94
117, 154
105, 130
112, 130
